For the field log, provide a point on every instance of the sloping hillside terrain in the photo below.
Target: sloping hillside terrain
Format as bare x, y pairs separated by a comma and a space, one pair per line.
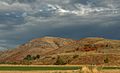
62, 51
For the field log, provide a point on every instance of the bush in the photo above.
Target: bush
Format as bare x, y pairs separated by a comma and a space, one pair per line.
34, 57
59, 61
28, 57
75, 56
106, 60
37, 56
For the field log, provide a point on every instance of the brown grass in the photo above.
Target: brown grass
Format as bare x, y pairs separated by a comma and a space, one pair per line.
111, 71
66, 71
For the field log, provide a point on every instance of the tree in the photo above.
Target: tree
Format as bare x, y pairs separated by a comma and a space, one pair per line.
37, 56
28, 57
106, 60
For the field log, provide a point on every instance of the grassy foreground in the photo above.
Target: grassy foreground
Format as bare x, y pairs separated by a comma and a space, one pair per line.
36, 68
108, 68
58, 69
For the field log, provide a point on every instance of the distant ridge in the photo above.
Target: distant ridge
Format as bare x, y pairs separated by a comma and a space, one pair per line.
59, 51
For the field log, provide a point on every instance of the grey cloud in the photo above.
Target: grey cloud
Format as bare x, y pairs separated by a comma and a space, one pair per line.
87, 31
11, 18
23, 20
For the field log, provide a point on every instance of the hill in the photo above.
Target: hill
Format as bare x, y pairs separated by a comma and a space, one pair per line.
61, 51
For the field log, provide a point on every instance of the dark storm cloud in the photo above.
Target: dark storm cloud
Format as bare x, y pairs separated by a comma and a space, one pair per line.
83, 31
20, 1
79, 1
23, 20
26, 1
10, 18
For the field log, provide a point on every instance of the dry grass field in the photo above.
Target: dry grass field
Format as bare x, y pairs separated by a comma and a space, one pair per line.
84, 69
110, 71
68, 71
38, 71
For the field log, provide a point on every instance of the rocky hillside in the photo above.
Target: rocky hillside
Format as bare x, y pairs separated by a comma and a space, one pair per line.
60, 51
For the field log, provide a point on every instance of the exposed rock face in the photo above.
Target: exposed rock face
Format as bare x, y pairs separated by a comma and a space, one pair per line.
52, 42
68, 51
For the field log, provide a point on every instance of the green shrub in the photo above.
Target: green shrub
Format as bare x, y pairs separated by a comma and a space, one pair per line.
106, 60
75, 56
60, 61
34, 57
28, 57
37, 56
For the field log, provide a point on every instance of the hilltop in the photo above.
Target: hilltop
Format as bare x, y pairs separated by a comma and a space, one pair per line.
61, 51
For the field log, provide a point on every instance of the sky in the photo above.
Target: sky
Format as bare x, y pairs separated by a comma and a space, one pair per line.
23, 20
